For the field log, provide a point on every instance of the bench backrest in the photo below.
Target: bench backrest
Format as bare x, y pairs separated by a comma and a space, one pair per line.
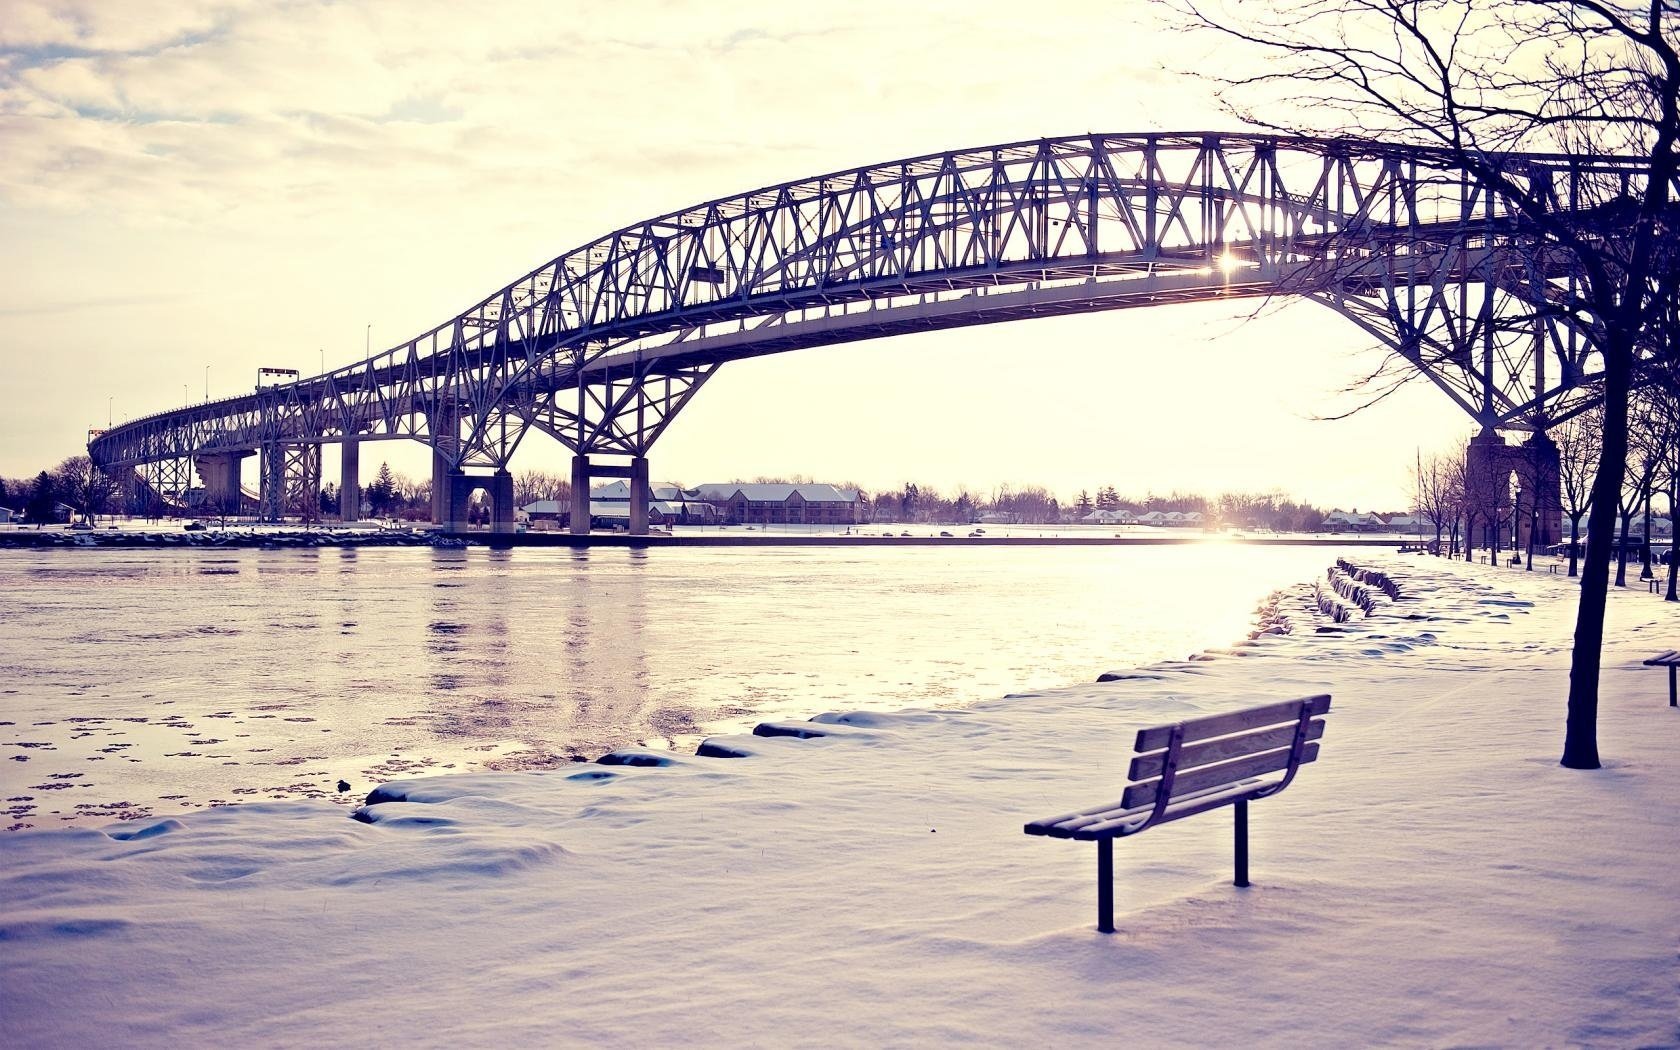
1205, 754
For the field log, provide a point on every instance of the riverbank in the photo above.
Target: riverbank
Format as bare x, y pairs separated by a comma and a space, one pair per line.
1436, 878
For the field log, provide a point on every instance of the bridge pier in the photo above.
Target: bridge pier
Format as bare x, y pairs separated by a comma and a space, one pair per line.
440, 488
291, 480
583, 472
580, 496
502, 519
1490, 466
639, 496
456, 491
349, 480
219, 471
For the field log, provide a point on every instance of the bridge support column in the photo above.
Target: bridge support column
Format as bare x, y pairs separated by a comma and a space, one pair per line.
639, 496
580, 496
457, 500
440, 488
291, 482
1543, 490
1491, 465
219, 472
349, 480
502, 519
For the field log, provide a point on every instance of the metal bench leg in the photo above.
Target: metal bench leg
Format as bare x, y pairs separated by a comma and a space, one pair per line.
1242, 843
1105, 885
1671, 697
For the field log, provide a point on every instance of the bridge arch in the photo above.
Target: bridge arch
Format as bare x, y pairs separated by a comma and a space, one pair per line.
604, 345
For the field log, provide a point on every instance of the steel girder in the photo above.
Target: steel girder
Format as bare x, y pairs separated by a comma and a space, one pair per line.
602, 346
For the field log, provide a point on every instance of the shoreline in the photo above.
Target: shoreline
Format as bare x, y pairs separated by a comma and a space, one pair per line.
302, 538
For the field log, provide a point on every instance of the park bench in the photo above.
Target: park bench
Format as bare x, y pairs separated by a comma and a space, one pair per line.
1192, 767
1669, 659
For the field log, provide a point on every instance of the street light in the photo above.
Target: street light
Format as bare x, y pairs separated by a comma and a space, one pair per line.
109, 409
206, 382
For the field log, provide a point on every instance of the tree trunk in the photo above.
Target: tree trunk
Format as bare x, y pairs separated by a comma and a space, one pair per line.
1621, 549
1580, 737
1645, 572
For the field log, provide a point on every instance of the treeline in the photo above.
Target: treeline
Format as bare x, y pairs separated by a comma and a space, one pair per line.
85, 490
75, 485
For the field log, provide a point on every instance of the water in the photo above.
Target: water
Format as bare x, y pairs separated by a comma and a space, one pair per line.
146, 681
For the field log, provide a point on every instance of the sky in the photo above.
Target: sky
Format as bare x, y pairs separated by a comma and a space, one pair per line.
193, 189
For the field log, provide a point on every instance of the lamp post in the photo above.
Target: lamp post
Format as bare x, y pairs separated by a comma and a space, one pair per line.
110, 410
206, 382
1516, 524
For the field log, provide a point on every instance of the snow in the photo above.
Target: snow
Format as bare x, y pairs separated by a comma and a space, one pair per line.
1436, 878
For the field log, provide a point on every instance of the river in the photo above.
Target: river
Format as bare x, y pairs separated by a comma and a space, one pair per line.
135, 682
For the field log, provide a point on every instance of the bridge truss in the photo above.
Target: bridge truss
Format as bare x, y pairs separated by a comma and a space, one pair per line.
602, 347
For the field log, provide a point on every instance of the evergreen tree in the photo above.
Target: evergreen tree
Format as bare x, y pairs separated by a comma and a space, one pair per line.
1084, 503
383, 489
42, 500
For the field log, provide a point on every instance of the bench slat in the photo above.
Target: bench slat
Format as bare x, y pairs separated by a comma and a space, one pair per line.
1664, 659
1181, 806
1067, 825
1148, 767
1235, 722
1216, 775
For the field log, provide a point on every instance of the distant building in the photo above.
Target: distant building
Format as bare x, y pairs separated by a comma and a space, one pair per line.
668, 505
1121, 516
781, 504
1339, 520
8, 515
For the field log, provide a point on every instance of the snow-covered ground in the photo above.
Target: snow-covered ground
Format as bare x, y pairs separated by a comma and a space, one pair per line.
1436, 878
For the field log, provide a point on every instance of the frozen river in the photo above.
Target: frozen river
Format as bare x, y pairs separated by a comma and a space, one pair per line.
148, 681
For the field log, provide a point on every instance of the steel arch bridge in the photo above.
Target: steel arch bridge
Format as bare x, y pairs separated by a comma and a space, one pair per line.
603, 346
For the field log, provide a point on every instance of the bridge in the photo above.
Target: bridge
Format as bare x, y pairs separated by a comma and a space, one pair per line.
603, 346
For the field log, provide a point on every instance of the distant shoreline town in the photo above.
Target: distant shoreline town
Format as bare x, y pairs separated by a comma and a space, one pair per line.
75, 492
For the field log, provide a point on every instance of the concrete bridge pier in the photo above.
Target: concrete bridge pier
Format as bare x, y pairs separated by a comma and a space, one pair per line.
639, 496
1531, 468
580, 496
456, 492
441, 490
584, 472
349, 480
502, 520
219, 472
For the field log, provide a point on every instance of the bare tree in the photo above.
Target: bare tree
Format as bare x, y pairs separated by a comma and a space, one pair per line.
1478, 80
1437, 497
1577, 444
84, 486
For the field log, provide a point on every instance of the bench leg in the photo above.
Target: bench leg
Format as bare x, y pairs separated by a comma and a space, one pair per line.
1672, 701
1242, 843
1105, 885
